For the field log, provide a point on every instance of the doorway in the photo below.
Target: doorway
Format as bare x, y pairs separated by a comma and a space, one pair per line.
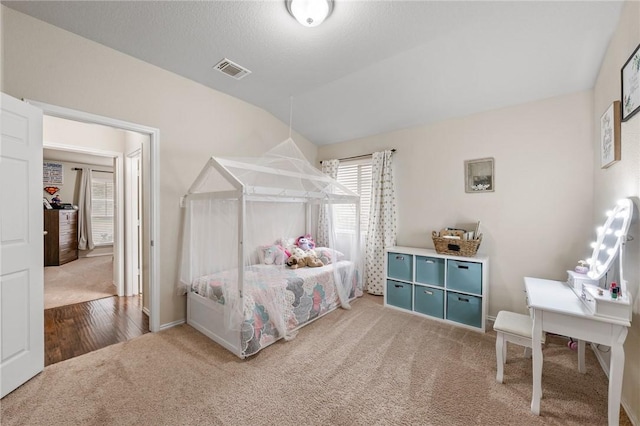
95, 303
71, 275
148, 236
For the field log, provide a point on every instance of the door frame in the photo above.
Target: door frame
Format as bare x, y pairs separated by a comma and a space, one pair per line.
133, 248
154, 190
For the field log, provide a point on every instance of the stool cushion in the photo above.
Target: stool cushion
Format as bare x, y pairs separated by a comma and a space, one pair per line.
513, 323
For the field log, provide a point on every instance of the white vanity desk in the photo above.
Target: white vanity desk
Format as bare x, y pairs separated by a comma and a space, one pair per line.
557, 309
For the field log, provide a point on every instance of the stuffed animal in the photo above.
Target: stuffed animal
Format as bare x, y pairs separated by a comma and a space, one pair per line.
275, 255
305, 242
300, 259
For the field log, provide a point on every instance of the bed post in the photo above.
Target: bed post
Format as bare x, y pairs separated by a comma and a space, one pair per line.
358, 242
241, 217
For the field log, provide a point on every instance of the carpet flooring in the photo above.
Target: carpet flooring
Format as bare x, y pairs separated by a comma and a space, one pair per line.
84, 279
367, 366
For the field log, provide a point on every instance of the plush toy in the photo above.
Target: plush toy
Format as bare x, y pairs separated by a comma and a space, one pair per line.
275, 255
305, 242
300, 258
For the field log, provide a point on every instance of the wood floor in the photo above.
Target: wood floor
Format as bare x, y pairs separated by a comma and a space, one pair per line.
74, 330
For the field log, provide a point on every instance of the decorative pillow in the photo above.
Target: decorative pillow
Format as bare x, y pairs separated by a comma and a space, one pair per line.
328, 255
288, 243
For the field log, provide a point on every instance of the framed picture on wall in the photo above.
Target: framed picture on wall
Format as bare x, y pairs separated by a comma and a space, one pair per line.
610, 135
630, 78
52, 173
479, 175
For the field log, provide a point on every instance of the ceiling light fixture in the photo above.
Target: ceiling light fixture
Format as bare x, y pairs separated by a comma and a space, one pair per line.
310, 13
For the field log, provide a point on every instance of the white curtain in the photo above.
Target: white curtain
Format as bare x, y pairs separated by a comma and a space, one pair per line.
85, 239
382, 229
323, 239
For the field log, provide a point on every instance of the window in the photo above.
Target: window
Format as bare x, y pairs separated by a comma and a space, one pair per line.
102, 209
355, 175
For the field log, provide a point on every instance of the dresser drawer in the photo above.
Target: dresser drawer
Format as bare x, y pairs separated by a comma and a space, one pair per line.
399, 294
71, 243
430, 270
68, 226
68, 217
68, 233
464, 309
464, 276
429, 301
400, 266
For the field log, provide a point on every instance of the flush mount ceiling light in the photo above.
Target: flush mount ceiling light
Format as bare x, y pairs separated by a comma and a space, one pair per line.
310, 13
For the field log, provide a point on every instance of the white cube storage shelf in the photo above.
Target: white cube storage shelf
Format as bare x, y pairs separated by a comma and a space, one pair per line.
451, 289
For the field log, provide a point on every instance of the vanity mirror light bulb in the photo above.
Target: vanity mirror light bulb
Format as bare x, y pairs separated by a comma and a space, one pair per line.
602, 247
600, 268
589, 261
599, 229
609, 213
594, 244
618, 234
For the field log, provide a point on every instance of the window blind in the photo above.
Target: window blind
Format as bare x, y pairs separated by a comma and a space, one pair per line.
355, 175
102, 210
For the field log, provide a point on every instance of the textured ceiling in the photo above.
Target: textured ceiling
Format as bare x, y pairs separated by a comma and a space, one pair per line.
372, 66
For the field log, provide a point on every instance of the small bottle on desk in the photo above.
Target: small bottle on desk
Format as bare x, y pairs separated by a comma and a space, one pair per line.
614, 290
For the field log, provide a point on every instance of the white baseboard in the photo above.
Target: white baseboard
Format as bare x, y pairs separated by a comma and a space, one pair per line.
171, 324
146, 311
604, 360
96, 255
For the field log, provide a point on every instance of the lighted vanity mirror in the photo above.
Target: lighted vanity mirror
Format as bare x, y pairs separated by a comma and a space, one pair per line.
611, 238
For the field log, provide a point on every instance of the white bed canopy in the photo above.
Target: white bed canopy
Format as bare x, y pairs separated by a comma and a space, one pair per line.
238, 209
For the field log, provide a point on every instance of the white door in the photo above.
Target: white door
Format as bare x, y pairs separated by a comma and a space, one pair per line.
21, 244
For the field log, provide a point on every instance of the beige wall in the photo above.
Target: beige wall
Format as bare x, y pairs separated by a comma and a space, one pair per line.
74, 133
622, 180
534, 223
47, 64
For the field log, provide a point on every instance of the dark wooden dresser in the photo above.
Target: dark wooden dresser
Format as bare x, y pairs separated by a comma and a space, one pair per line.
61, 239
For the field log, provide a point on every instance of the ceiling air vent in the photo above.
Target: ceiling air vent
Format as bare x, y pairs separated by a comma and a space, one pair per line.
231, 69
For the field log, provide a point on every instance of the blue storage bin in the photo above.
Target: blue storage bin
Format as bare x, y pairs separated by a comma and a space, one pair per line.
464, 309
464, 276
399, 294
400, 266
429, 301
430, 270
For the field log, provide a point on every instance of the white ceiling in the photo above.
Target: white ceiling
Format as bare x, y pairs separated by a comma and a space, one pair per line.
372, 66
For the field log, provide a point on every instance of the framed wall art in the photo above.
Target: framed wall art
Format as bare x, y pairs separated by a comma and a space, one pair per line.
630, 78
610, 135
479, 175
52, 173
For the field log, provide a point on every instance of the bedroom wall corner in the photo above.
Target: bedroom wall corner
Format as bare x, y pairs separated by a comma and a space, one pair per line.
621, 180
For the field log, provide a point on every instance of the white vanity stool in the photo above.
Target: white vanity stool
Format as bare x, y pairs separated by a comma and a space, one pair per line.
517, 328
514, 328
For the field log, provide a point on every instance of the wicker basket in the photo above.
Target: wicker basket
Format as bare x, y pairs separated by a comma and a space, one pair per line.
466, 248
